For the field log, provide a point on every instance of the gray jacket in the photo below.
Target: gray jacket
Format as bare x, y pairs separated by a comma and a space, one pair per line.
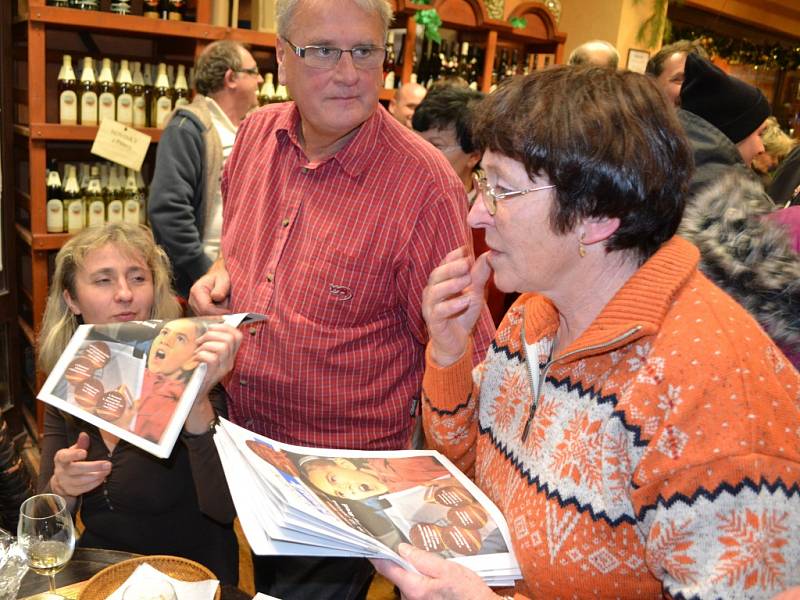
188, 167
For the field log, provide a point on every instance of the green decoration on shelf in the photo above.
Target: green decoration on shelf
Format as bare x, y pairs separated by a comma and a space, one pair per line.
419, 1
518, 22
431, 21
742, 51
656, 26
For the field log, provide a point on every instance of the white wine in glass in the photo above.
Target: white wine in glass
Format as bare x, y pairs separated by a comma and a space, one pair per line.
46, 535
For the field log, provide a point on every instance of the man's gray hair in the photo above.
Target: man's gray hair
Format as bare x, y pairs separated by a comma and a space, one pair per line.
214, 62
583, 54
285, 9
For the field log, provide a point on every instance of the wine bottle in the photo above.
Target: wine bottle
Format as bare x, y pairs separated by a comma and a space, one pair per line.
267, 92
389, 63
142, 197
73, 201
83, 177
151, 9
88, 94
106, 102
176, 10
463, 62
67, 93
120, 7
181, 87
422, 65
85, 4
131, 206
55, 204
281, 93
147, 75
162, 97
511, 69
94, 203
139, 98
114, 197
124, 94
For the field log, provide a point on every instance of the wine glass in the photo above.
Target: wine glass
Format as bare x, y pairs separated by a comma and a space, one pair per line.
46, 535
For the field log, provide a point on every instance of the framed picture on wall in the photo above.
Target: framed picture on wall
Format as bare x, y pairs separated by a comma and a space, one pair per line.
637, 60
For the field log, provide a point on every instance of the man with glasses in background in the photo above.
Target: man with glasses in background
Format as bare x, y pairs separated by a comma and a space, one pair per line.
334, 216
185, 204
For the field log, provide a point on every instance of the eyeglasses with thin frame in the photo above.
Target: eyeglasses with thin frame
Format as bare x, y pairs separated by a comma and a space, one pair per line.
249, 70
490, 197
327, 57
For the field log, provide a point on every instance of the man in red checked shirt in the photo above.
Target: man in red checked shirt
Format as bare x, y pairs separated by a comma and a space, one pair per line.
334, 215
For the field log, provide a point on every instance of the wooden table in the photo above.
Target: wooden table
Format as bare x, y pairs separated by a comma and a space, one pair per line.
85, 563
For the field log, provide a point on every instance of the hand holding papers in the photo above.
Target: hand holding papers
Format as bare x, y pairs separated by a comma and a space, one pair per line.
318, 502
136, 380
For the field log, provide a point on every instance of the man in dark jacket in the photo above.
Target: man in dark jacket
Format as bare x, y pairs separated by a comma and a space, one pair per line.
185, 204
723, 118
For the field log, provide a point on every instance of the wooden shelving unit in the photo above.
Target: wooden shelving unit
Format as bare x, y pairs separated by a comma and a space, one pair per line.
42, 35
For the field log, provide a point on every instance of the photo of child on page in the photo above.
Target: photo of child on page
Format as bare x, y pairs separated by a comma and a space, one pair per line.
170, 363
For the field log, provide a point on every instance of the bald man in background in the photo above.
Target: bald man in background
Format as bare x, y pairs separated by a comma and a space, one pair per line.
595, 52
405, 102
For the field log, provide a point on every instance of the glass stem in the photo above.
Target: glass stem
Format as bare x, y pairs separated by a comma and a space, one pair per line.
52, 580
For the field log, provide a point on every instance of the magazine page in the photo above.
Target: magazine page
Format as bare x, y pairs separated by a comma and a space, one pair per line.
136, 380
263, 533
417, 497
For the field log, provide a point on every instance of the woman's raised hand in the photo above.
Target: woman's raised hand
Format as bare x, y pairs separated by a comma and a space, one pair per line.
452, 302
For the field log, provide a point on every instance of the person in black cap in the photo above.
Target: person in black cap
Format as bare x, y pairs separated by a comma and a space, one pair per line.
723, 118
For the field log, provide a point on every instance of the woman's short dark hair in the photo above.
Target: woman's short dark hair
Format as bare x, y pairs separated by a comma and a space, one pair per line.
606, 139
446, 105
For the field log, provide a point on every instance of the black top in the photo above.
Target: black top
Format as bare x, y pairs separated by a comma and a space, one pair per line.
179, 506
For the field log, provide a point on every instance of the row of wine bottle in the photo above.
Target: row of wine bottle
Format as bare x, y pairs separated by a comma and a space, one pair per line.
132, 98
104, 193
451, 60
174, 10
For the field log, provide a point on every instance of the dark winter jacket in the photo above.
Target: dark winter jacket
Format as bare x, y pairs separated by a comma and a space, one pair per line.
188, 165
715, 155
746, 254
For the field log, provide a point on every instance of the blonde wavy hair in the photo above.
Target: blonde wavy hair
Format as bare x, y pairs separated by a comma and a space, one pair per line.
59, 323
776, 142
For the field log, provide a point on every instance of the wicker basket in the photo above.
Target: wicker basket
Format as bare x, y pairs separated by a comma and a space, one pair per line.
104, 583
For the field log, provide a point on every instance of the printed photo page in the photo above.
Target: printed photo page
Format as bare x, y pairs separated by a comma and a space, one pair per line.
315, 501
136, 380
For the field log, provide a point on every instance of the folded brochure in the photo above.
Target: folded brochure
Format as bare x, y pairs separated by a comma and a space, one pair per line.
294, 500
136, 380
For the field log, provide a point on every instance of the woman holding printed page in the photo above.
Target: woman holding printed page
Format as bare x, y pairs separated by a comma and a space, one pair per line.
130, 500
635, 425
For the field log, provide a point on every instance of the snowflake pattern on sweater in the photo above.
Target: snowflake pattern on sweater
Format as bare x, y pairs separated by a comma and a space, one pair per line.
663, 455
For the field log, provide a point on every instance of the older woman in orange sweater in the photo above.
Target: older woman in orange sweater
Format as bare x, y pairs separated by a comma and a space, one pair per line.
637, 428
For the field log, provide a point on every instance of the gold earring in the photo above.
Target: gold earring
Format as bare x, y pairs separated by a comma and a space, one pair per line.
581, 247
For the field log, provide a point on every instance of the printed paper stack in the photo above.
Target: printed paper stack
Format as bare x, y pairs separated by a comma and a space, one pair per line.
301, 501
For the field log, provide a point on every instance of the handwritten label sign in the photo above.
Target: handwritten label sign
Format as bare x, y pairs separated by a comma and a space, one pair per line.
121, 144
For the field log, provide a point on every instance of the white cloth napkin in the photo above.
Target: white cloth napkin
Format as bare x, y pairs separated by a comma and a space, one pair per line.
185, 590
260, 596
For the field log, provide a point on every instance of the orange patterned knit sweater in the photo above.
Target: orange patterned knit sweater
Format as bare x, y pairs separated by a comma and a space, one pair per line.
663, 456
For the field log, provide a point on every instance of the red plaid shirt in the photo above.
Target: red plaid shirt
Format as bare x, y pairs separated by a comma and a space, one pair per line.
336, 254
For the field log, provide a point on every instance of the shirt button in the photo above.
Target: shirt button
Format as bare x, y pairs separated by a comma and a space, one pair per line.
304, 170
252, 331
243, 382
248, 423
285, 222
270, 277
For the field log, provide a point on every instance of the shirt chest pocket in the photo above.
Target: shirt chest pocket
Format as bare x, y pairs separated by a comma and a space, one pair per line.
341, 290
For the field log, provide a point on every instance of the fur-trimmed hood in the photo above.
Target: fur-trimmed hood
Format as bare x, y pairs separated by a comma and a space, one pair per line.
747, 255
